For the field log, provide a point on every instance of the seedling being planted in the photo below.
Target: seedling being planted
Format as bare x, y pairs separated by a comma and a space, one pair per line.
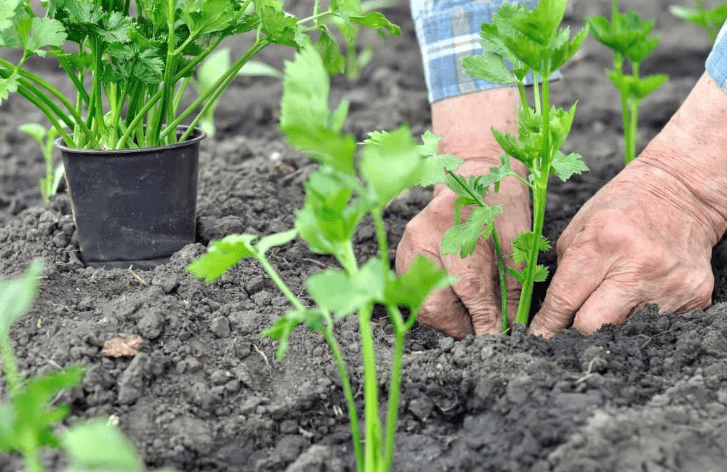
710, 20
532, 43
628, 36
339, 194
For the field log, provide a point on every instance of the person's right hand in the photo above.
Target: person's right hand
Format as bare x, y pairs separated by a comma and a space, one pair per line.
471, 305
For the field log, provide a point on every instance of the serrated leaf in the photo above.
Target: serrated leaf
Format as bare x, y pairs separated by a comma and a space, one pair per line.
413, 287
435, 165
488, 66
391, 165
17, 296
221, 256
8, 10
36, 130
43, 32
305, 118
645, 86
378, 21
462, 238
342, 293
116, 28
281, 329
207, 16
522, 244
88, 444
327, 47
566, 165
28, 421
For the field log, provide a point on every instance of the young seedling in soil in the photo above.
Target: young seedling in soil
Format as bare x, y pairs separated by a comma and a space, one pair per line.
131, 66
339, 194
45, 137
710, 20
628, 36
28, 419
532, 42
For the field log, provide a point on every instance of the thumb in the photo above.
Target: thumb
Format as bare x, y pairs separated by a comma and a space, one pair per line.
570, 288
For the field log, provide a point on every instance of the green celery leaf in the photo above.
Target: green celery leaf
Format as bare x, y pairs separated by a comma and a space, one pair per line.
342, 293
560, 125
43, 32
541, 24
641, 49
563, 53
148, 67
282, 328
327, 47
84, 12
376, 20
280, 27
305, 118
8, 10
488, 66
392, 165
463, 237
566, 165
435, 165
207, 16
523, 242
18, 295
116, 28
413, 287
328, 219
512, 147
222, 255
88, 444
645, 86
29, 422
274, 240
540, 274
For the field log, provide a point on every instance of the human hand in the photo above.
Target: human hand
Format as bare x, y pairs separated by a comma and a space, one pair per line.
641, 239
647, 236
471, 305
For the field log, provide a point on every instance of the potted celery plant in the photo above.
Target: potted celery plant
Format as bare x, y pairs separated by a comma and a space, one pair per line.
129, 142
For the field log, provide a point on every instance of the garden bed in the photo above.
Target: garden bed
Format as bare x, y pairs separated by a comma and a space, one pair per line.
205, 393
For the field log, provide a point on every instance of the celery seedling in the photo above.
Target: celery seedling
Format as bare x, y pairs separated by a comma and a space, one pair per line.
338, 195
531, 41
45, 138
710, 20
628, 36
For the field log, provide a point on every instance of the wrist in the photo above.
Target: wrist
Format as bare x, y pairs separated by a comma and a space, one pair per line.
691, 152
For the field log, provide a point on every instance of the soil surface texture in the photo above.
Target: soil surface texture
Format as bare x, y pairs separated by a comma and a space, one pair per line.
204, 393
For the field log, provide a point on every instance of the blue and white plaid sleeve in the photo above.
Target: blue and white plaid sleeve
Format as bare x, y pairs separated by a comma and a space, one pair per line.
449, 30
717, 60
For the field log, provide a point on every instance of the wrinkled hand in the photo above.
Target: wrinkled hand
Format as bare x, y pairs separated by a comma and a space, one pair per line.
472, 305
643, 238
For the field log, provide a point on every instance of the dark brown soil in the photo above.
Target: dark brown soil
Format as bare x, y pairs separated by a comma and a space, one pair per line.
205, 394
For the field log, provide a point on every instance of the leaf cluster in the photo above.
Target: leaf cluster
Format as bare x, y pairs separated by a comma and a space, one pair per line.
140, 60
710, 20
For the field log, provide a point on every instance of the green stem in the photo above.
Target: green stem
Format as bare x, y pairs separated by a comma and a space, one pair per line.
32, 460
10, 365
215, 91
371, 393
523, 308
347, 390
273, 274
97, 94
633, 120
400, 330
503, 279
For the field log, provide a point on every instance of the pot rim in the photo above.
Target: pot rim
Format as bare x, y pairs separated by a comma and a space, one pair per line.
197, 135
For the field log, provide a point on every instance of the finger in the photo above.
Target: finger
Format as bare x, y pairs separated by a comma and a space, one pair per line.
570, 288
477, 288
612, 302
444, 311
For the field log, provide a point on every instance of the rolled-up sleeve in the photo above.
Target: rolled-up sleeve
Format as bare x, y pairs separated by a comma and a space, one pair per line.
449, 30
717, 60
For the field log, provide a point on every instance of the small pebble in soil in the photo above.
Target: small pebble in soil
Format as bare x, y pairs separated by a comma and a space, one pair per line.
220, 327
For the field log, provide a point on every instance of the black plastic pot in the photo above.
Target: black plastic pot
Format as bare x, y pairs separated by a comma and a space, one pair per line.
133, 207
